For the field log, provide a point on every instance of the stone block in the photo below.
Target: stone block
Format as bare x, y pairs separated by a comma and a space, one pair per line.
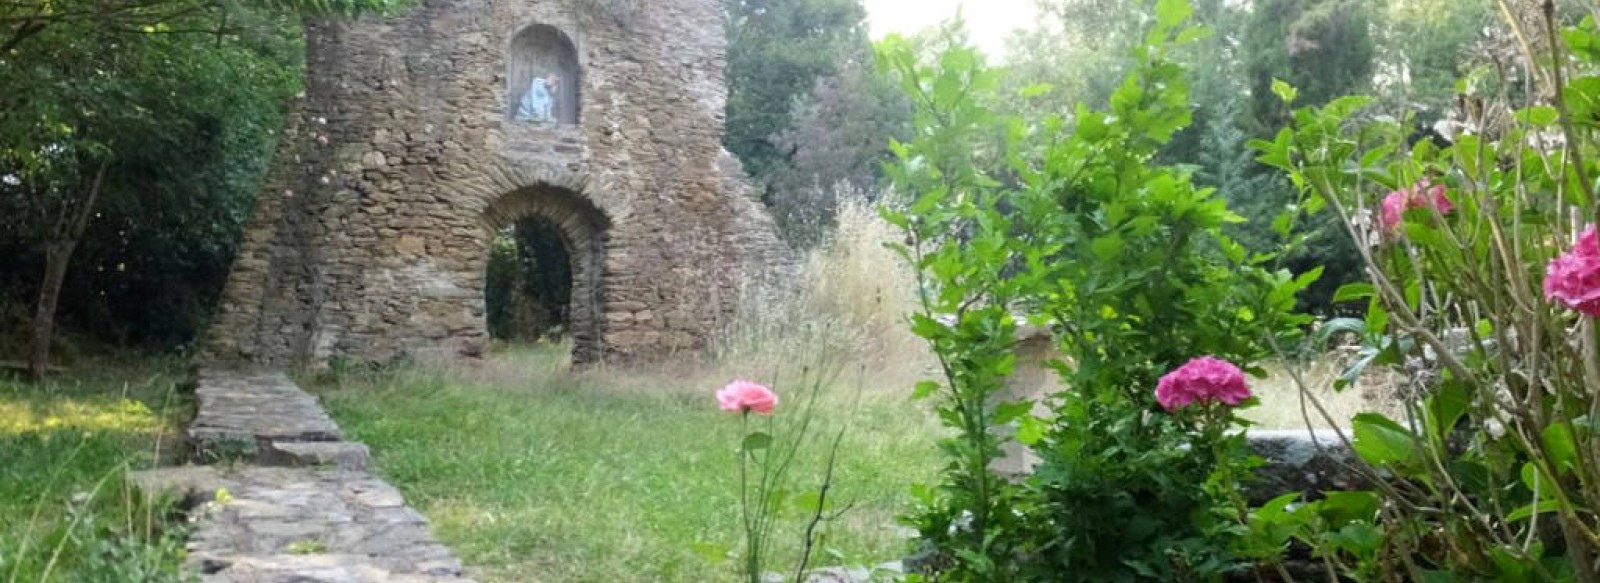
345, 455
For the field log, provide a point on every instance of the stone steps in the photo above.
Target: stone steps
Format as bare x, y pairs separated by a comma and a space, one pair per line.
301, 508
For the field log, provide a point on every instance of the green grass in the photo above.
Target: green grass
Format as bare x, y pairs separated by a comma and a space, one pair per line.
66, 514
532, 473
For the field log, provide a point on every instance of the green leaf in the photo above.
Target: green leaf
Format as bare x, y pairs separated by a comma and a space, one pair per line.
924, 389
926, 327
1107, 248
1538, 115
1030, 430
1274, 508
1359, 538
1353, 291
1533, 480
1170, 13
1007, 412
757, 441
1284, 91
1445, 409
1377, 318
1340, 508
1382, 442
1527, 511
1559, 446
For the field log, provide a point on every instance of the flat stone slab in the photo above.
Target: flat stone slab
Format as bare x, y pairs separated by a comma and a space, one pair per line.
304, 525
256, 407
345, 455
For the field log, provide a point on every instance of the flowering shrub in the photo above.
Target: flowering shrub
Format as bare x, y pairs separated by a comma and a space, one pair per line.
1420, 195
1204, 380
1492, 473
1573, 279
1080, 230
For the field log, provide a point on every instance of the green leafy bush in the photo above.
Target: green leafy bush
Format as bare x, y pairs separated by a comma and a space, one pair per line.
1124, 260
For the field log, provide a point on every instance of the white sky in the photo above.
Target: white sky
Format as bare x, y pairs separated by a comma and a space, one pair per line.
988, 21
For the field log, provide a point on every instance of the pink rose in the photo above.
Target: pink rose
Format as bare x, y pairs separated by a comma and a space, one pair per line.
1573, 279
1205, 380
747, 396
1418, 195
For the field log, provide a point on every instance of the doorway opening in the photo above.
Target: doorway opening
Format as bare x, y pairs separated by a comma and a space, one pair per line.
528, 287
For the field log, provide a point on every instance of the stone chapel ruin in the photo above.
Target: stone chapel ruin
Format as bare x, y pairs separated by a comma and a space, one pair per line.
421, 136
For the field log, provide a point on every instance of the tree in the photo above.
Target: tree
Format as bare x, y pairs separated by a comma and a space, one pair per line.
777, 49
1421, 45
1324, 48
837, 140
135, 98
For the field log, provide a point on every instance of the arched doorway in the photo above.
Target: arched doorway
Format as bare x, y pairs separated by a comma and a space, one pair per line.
546, 253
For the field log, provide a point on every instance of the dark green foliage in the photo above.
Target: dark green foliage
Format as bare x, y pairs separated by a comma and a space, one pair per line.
836, 145
777, 49
184, 124
1324, 48
808, 114
1429, 40
1126, 503
152, 121
529, 282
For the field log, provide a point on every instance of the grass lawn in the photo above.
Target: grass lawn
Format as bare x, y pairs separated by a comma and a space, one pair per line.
536, 474
65, 512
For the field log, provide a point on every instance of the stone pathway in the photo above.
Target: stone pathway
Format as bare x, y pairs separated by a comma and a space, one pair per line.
302, 508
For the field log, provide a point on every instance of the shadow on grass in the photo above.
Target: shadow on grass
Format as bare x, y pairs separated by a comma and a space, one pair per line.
66, 511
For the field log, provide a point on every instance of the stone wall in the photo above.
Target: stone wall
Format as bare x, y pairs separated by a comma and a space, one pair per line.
402, 161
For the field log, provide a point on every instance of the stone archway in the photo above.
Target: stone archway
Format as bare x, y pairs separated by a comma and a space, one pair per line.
582, 229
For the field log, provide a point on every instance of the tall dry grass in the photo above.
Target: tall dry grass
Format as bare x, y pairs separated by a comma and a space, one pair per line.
1284, 406
847, 306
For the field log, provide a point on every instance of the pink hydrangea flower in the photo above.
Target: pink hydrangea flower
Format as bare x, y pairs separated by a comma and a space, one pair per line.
1417, 195
1204, 380
1573, 279
744, 396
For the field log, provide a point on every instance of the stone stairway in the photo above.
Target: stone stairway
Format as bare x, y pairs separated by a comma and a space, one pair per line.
301, 507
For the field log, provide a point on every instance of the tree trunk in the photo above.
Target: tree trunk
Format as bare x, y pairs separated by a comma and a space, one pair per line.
57, 255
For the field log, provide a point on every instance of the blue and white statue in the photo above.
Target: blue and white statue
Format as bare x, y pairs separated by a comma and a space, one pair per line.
539, 103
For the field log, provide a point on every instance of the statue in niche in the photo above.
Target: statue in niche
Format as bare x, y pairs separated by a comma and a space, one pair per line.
539, 103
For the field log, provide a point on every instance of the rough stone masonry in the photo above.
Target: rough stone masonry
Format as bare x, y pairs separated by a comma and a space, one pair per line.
405, 158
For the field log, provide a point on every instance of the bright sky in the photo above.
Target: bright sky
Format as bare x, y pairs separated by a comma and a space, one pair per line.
988, 21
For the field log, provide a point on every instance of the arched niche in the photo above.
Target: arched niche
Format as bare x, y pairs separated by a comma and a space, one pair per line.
540, 56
